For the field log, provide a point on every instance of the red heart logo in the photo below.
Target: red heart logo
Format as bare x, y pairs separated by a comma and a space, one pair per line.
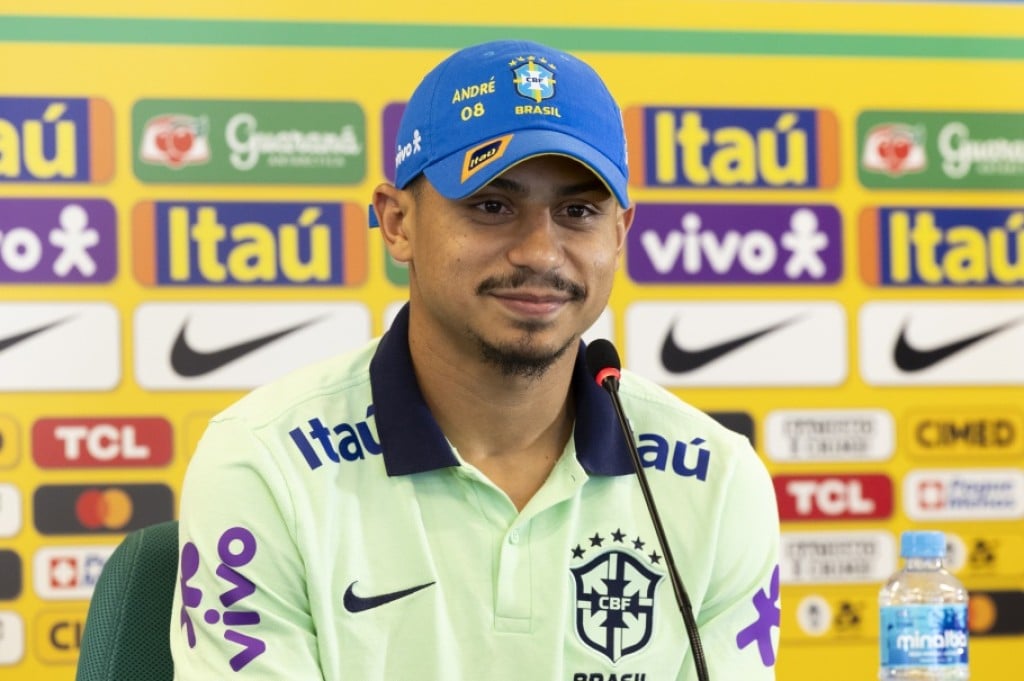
182, 140
901, 148
163, 140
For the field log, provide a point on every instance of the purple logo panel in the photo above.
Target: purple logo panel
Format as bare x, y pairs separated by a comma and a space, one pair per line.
391, 119
735, 244
57, 241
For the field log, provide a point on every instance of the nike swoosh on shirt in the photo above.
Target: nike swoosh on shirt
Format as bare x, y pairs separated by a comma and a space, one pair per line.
680, 360
910, 359
354, 603
189, 362
25, 335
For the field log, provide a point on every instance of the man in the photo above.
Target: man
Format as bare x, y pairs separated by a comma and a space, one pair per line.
456, 500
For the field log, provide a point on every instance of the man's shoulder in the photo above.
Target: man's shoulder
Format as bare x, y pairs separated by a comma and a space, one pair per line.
651, 403
663, 420
333, 380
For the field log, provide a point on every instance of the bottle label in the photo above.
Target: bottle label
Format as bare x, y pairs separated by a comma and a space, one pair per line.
924, 635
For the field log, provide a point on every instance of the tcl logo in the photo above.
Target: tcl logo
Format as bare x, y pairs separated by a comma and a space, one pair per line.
833, 497
102, 442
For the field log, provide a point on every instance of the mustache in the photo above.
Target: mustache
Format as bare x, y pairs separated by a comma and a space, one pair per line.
523, 276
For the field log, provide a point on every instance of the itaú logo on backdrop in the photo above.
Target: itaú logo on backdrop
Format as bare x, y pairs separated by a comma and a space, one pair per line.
723, 148
232, 243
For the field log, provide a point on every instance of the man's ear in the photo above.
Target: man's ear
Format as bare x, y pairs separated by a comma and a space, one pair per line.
625, 221
394, 213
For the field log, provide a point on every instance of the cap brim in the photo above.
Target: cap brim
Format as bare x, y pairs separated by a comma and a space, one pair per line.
446, 175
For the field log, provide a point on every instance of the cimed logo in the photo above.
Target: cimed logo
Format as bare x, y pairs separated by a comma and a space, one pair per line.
534, 80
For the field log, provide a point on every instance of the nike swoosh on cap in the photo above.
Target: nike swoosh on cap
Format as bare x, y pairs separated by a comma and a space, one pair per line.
25, 335
189, 362
910, 359
680, 360
354, 603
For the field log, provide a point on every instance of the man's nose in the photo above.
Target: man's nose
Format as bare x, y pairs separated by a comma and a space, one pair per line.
538, 245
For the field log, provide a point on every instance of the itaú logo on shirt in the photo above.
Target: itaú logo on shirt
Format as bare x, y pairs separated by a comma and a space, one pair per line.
348, 441
687, 459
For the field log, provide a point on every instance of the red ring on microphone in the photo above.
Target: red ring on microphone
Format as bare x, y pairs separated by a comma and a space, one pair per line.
606, 373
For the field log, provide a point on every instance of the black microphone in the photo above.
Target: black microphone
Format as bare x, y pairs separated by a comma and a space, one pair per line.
603, 364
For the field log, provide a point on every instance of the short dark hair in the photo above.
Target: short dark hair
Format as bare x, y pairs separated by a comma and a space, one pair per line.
415, 185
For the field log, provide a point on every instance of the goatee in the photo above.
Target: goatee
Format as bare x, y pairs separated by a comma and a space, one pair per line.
521, 359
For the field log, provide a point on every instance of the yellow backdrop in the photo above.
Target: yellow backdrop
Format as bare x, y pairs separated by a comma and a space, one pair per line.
840, 58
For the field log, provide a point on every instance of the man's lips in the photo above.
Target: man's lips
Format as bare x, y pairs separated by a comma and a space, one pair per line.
532, 296
531, 302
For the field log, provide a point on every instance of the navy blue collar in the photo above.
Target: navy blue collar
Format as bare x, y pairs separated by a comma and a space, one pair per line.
413, 442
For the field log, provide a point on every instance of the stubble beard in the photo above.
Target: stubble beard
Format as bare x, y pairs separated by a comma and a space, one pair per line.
522, 359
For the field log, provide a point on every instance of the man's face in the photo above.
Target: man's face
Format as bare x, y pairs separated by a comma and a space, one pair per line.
518, 271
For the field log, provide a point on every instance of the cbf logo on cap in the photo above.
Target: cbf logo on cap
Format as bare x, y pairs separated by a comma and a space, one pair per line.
490, 106
534, 81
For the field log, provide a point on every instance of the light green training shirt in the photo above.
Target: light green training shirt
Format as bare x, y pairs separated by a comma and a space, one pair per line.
329, 531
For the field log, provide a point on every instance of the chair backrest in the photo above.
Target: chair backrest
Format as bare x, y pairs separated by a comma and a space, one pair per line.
127, 630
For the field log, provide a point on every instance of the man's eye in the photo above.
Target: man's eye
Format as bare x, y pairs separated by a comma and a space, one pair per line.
490, 206
577, 211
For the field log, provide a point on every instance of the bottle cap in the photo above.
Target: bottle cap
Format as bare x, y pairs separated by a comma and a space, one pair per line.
922, 544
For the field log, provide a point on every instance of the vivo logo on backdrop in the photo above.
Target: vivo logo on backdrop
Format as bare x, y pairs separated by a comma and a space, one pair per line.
741, 244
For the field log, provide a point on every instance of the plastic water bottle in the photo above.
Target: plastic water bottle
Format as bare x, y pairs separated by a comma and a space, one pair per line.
923, 615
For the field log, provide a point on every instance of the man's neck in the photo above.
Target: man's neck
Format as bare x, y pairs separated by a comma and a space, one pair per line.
512, 428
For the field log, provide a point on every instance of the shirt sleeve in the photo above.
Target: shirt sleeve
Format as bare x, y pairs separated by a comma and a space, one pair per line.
241, 608
739, 618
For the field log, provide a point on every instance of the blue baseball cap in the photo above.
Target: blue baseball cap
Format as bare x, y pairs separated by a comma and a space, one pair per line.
490, 106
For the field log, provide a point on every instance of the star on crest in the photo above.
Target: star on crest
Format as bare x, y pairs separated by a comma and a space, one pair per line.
616, 536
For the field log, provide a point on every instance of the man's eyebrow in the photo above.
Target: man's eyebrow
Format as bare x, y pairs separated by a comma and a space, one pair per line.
513, 187
505, 184
594, 185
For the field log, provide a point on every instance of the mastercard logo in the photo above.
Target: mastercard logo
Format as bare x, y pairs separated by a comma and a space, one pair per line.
996, 613
109, 509
982, 613
100, 509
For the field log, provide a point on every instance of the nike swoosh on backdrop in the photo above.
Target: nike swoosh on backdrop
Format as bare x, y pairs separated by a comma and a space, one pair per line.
354, 603
188, 362
909, 359
25, 335
680, 360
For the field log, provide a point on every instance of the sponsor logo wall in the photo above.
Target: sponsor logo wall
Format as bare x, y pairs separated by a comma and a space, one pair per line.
826, 259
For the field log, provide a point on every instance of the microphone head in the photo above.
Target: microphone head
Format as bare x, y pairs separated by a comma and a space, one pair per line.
603, 360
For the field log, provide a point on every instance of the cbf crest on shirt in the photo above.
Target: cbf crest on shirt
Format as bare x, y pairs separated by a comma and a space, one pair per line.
615, 593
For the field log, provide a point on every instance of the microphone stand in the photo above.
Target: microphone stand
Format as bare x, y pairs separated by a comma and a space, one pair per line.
610, 383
